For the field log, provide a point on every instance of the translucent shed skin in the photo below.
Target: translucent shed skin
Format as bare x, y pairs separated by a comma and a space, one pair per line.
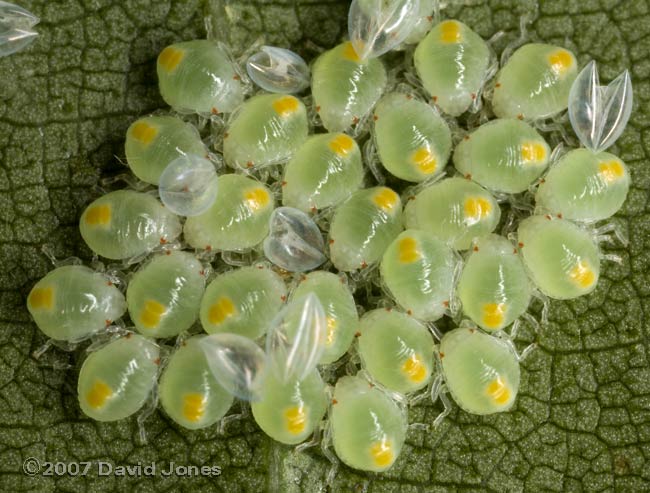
243, 301
267, 129
324, 172
153, 142
504, 155
584, 186
396, 350
124, 224
72, 302
197, 77
115, 380
363, 227
413, 141
188, 391
418, 270
345, 88
289, 412
368, 428
494, 288
456, 210
481, 371
452, 62
562, 258
164, 296
237, 220
340, 311
535, 82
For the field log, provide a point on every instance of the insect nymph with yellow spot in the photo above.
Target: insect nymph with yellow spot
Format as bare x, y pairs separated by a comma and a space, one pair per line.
412, 140
267, 129
189, 393
480, 371
494, 288
504, 155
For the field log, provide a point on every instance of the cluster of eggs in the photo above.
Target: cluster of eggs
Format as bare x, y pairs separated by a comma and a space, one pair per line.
315, 321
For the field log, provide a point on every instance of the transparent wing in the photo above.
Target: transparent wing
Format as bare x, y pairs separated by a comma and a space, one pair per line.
296, 339
278, 70
377, 26
237, 363
294, 243
15, 28
598, 113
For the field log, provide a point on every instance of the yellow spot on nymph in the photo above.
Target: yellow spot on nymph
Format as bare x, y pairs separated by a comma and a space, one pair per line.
408, 250
98, 215
42, 298
221, 310
194, 406
257, 199
476, 208
414, 368
382, 453
532, 152
424, 160
582, 275
170, 57
493, 314
295, 419
450, 32
330, 337
611, 171
349, 53
342, 144
499, 391
98, 394
285, 105
151, 314
386, 199
144, 133
560, 61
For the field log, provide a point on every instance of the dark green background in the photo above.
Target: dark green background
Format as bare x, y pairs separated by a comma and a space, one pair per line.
582, 420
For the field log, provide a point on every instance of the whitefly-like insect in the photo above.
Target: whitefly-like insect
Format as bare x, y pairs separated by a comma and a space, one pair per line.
198, 77
278, 70
562, 258
188, 186
188, 391
267, 129
153, 142
345, 87
503, 155
423, 23
243, 301
16, 31
237, 221
341, 317
164, 295
535, 82
116, 380
455, 210
72, 302
480, 371
590, 184
494, 288
417, 269
377, 26
413, 141
368, 427
324, 172
396, 350
363, 227
294, 242
125, 224
452, 62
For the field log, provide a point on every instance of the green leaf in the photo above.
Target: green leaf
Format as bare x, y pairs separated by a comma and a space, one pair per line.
582, 420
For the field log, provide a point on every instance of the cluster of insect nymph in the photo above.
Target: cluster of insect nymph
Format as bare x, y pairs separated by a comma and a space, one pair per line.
257, 302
